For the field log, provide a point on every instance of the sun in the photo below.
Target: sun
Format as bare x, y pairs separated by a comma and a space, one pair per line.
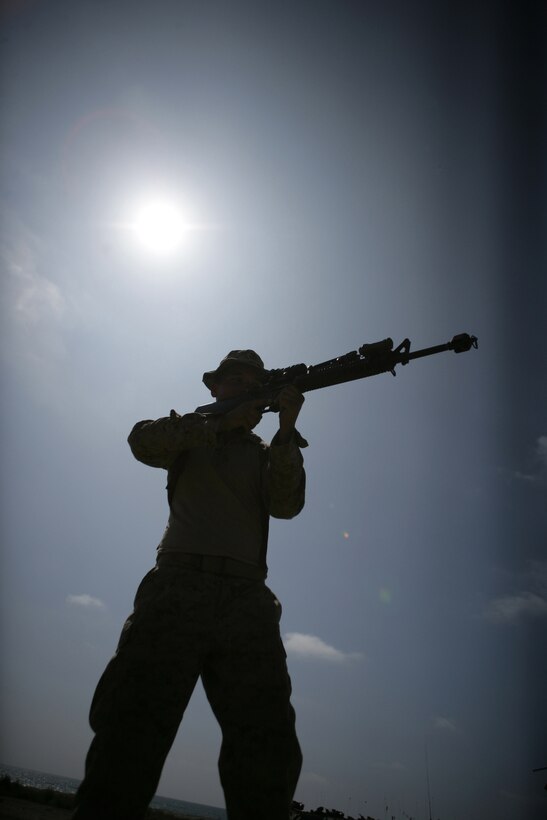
159, 226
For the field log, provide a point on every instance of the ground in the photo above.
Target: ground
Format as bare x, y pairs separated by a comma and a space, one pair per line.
12, 808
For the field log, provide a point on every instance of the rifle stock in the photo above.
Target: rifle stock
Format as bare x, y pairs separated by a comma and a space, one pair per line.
368, 360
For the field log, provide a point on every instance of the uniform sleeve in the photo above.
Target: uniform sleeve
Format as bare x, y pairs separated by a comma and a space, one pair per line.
287, 478
158, 443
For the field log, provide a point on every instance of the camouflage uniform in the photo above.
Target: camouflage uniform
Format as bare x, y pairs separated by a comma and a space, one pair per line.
217, 620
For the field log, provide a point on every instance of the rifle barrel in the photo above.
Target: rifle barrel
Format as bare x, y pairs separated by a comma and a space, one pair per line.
426, 351
459, 344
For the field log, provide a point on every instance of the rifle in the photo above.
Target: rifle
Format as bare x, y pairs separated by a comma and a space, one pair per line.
369, 360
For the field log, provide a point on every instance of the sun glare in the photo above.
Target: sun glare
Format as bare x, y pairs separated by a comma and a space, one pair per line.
159, 226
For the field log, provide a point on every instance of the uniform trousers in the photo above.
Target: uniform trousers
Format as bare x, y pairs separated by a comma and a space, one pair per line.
188, 624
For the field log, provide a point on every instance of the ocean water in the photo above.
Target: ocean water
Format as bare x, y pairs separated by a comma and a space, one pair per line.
67, 785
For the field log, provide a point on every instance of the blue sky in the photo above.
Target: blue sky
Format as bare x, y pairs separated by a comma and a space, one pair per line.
344, 171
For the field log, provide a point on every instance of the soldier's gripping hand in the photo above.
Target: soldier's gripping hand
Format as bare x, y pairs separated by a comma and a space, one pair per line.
289, 401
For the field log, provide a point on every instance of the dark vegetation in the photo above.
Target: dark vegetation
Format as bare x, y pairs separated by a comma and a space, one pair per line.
321, 813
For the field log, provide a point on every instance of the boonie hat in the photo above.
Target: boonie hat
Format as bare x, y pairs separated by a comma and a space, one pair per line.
246, 357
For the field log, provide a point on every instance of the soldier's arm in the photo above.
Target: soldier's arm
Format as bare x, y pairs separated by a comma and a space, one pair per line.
290, 401
158, 443
286, 476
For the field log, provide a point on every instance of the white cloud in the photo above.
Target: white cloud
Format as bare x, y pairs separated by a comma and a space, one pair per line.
541, 450
512, 607
525, 476
31, 295
530, 600
537, 464
34, 308
37, 298
85, 600
445, 724
311, 647
312, 778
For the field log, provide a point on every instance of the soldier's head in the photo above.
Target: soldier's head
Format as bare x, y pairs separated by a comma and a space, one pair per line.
241, 371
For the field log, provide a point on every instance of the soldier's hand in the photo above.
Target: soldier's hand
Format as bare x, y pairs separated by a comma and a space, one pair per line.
246, 416
289, 401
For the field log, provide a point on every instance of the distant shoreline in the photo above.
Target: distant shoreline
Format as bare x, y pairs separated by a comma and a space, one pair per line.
20, 802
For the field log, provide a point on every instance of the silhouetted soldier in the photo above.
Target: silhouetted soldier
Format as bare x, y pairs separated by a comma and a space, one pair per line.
204, 610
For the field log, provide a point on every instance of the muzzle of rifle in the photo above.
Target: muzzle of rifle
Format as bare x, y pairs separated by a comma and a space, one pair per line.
463, 342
